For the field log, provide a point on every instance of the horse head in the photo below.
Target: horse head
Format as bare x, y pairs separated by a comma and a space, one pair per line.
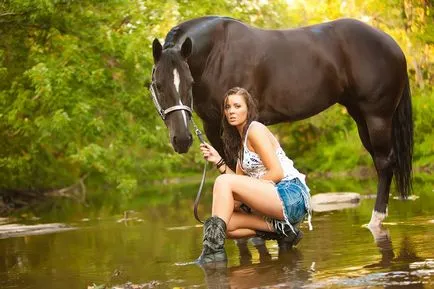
171, 91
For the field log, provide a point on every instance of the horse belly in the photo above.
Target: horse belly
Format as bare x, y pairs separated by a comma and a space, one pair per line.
301, 88
293, 108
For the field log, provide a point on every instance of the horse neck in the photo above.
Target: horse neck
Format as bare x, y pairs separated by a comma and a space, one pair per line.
202, 32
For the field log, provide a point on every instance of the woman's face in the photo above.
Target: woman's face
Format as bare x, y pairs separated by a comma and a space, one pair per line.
236, 110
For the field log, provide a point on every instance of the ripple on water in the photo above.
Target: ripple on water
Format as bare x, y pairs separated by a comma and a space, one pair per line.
419, 273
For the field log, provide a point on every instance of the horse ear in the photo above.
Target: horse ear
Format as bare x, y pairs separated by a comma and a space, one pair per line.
156, 50
186, 48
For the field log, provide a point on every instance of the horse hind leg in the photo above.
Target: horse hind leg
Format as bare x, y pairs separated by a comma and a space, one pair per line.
376, 136
361, 127
376, 140
381, 235
380, 135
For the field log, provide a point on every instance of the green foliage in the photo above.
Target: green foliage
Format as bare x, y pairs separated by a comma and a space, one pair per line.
77, 105
73, 103
423, 105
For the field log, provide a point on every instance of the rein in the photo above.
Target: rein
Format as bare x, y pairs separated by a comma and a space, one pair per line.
163, 113
199, 192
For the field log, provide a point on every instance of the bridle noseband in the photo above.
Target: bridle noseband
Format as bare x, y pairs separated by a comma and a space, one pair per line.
164, 112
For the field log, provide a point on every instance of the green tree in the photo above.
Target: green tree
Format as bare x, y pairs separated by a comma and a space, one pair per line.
73, 101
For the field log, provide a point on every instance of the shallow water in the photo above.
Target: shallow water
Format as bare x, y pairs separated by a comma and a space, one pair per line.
154, 244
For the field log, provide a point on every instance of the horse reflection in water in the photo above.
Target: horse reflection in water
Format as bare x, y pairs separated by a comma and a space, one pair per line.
293, 74
406, 253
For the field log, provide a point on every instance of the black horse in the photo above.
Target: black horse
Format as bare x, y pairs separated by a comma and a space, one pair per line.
293, 74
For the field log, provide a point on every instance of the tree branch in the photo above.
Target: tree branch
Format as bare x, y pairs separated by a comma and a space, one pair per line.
8, 14
77, 191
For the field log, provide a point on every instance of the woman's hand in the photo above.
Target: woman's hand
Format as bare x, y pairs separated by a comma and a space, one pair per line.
210, 153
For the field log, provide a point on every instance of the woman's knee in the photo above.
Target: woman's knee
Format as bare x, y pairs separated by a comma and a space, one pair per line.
224, 180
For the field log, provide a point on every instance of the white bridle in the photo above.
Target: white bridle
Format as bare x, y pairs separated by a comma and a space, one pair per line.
164, 112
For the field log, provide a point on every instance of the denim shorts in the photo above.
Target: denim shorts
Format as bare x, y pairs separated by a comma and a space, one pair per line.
293, 194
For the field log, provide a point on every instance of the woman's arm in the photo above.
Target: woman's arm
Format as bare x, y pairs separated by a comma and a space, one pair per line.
212, 155
259, 139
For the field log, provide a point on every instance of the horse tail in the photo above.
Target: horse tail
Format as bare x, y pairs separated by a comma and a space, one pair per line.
403, 142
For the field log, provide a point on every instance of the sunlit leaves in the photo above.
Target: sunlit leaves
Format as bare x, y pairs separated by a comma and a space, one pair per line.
74, 98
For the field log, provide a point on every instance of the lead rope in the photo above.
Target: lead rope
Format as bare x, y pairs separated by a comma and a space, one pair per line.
199, 192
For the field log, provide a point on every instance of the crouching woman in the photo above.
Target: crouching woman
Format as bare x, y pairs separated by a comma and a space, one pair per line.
264, 181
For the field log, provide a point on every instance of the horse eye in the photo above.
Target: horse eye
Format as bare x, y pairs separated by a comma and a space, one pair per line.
158, 85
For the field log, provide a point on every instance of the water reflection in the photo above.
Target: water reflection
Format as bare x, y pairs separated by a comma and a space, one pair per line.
406, 254
286, 270
144, 246
244, 251
385, 246
406, 270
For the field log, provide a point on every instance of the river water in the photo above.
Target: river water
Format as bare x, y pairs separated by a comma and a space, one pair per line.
149, 241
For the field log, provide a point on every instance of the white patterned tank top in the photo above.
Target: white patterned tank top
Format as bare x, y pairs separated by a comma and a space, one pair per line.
252, 164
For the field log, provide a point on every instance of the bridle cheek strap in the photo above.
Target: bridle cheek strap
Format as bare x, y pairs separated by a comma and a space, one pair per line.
164, 112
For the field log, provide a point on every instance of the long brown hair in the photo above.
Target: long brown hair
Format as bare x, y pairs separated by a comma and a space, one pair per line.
232, 140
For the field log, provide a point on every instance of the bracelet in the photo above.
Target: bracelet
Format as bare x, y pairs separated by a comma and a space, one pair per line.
220, 163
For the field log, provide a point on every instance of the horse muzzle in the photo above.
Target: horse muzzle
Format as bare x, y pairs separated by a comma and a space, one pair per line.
182, 144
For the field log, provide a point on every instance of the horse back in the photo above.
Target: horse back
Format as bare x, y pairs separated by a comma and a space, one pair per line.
285, 70
344, 43
294, 73
297, 73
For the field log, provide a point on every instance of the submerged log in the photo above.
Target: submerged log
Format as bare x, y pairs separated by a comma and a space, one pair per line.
12, 199
325, 202
17, 230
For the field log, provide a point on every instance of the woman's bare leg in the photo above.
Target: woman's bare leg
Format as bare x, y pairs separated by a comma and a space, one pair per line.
245, 225
257, 194
240, 233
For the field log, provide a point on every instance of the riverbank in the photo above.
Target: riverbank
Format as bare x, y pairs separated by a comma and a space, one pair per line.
11, 205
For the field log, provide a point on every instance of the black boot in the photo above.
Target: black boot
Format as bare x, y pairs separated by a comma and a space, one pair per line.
214, 234
287, 240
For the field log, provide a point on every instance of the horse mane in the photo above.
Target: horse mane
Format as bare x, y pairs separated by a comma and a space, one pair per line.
191, 27
171, 37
